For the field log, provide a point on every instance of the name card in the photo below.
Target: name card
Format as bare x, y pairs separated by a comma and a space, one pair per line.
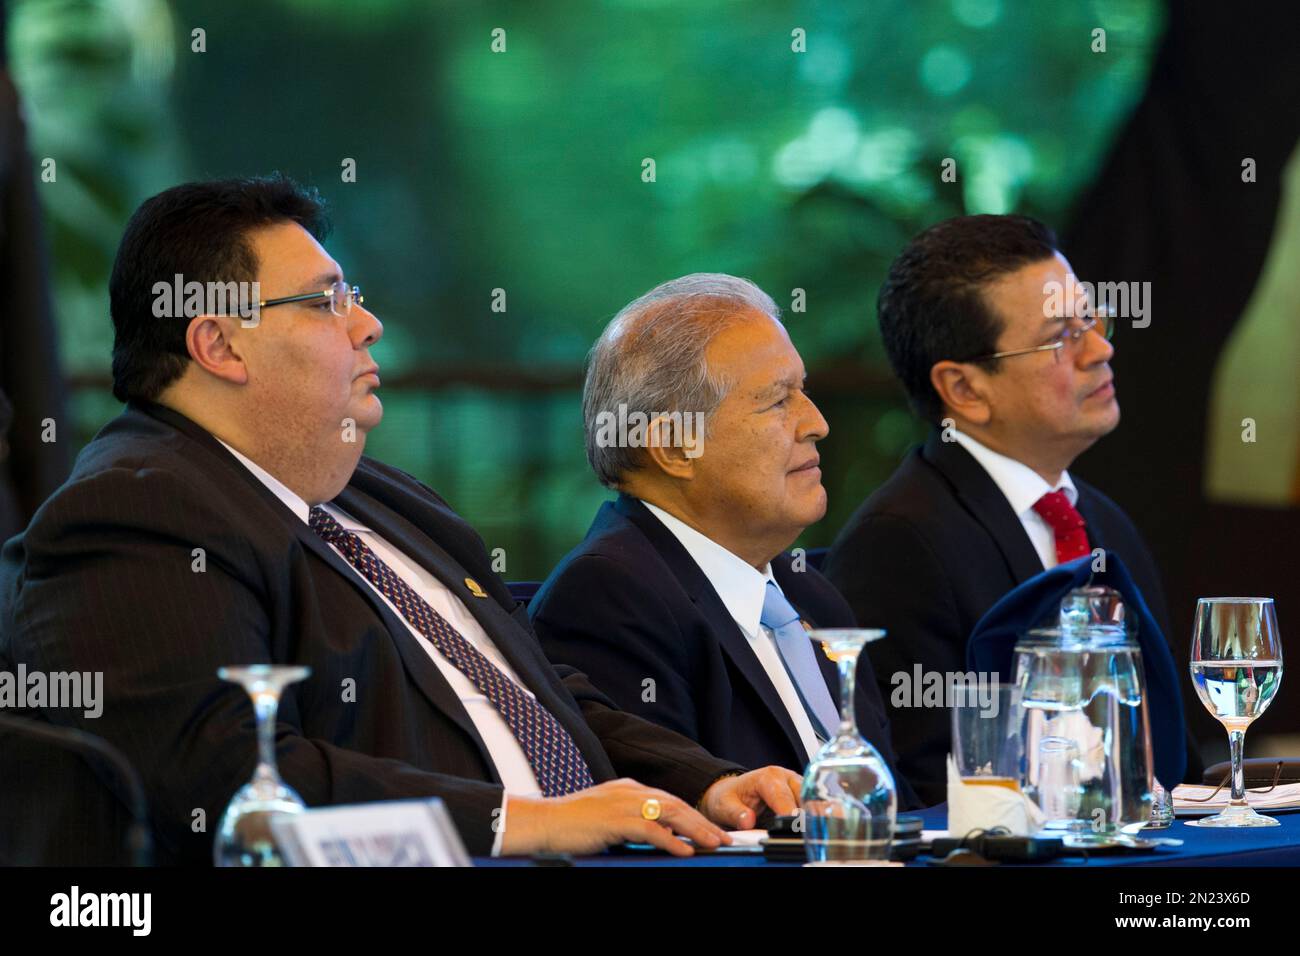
388, 833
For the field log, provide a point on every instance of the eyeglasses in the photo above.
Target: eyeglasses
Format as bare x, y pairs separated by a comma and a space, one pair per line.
341, 298
1103, 320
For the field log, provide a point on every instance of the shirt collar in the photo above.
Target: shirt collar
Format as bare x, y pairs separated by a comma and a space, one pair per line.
1021, 485
740, 585
290, 498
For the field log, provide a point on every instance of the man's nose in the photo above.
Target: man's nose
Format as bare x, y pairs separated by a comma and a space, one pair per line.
1096, 347
366, 325
813, 425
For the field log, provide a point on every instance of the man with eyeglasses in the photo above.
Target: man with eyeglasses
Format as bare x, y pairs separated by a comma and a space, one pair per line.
1016, 383
227, 517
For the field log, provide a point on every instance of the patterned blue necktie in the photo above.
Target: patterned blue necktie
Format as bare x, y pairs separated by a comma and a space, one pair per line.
800, 660
557, 763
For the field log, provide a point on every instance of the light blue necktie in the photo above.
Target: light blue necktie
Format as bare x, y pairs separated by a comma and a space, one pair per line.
800, 660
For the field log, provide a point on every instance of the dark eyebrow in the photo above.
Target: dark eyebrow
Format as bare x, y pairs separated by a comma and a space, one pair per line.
321, 283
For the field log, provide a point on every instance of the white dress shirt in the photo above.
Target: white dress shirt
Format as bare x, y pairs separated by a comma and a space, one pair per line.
502, 746
742, 588
1022, 486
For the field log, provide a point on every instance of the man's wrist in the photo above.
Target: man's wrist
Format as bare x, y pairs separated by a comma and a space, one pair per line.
529, 831
699, 804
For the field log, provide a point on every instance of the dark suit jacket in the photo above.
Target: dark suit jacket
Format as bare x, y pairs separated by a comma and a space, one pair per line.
927, 555
104, 579
631, 604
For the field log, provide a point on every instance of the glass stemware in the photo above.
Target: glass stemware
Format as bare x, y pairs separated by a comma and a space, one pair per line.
849, 799
1236, 665
244, 837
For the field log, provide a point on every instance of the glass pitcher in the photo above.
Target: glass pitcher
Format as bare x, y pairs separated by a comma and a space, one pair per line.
1086, 730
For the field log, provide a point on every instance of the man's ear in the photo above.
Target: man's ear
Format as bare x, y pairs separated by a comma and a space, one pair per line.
668, 451
209, 340
962, 388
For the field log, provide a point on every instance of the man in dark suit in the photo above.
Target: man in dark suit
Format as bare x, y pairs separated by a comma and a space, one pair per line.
682, 603
1016, 388
227, 517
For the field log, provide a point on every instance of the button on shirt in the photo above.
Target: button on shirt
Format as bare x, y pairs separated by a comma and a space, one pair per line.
1022, 487
742, 588
503, 747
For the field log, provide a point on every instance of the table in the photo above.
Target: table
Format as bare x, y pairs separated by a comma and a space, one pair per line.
1271, 846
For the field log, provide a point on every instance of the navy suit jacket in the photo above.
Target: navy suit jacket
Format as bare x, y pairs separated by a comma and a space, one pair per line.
630, 604
928, 554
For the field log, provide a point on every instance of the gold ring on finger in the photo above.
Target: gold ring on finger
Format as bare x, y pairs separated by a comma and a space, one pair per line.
650, 809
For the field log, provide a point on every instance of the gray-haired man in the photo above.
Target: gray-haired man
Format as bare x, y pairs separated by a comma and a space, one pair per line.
682, 603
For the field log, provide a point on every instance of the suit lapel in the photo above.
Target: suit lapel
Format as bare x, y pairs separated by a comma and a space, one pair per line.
421, 548
425, 534
706, 599
985, 502
420, 544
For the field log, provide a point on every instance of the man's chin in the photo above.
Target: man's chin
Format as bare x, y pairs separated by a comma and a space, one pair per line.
370, 413
815, 509
1110, 421
1097, 428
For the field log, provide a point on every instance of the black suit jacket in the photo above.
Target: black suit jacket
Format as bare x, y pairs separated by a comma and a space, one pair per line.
927, 555
630, 604
106, 578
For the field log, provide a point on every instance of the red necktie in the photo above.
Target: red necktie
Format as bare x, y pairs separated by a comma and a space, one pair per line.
1066, 523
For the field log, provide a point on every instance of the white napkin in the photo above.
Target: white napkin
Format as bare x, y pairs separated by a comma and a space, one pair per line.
982, 808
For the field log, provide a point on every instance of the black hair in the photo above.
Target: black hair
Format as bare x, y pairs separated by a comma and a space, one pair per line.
932, 307
199, 231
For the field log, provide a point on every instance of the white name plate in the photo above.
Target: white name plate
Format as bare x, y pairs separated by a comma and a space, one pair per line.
388, 833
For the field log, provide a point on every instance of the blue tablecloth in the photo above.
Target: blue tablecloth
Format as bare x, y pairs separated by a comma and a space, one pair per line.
1202, 846
1271, 846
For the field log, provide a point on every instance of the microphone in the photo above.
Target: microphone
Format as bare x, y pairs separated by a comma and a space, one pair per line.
139, 838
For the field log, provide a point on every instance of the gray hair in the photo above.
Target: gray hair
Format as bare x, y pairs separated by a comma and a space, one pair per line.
651, 358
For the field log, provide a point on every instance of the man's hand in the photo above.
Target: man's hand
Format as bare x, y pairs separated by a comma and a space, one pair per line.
736, 801
592, 819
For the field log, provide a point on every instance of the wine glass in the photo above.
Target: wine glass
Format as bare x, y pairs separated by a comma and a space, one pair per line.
849, 800
1237, 668
244, 837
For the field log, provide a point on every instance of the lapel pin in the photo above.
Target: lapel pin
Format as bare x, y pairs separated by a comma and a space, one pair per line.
474, 588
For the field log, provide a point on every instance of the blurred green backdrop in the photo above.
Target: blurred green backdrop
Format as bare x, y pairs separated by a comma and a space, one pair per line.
522, 169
